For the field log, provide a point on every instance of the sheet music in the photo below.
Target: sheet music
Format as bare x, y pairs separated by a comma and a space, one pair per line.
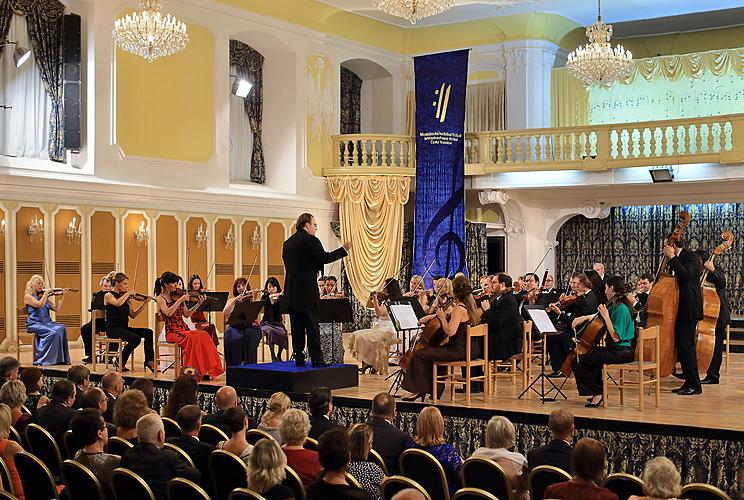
404, 316
542, 321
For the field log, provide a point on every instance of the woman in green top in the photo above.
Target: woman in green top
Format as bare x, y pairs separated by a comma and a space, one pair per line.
620, 332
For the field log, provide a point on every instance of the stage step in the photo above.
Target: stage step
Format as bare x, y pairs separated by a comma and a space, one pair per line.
737, 335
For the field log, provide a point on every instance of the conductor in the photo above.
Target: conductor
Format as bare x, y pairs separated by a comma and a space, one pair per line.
304, 257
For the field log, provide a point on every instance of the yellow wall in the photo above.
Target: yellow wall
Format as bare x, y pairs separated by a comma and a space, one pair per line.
476, 76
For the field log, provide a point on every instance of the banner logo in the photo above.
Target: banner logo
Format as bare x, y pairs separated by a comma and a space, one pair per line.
442, 107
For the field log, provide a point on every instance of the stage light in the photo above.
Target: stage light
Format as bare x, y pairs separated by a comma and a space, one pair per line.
662, 174
20, 54
241, 87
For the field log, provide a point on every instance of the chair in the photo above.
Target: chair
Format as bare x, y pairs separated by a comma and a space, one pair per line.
623, 485
43, 445
512, 370
24, 337
182, 489
172, 429
543, 476
310, 444
473, 494
702, 491
393, 484
117, 445
7, 482
15, 436
130, 486
175, 353
353, 481
452, 377
728, 347
4, 495
376, 458
244, 494
425, 469
110, 350
485, 474
178, 451
81, 482
228, 472
211, 434
294, 483
640, 365
253, 436
71, 444
36, 478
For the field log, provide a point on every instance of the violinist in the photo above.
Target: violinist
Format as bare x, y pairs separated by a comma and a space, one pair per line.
271, 324
548, 292
198, 318
86, 331
321, 285
330, 289
118, 312
331, 343
529, 293
418, 377
718, 279
241, 343
416, 289
639, 298
50, 337
620, 332
503, 319
443, 290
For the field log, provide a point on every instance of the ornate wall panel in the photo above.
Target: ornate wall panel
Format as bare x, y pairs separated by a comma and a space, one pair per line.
67, 267
102, 246
223, 272
274, 242
29, 256
196, 253
251, 253
167, 244
135, 260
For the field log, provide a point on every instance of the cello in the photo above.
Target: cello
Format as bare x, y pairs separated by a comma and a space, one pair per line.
705, 338
432, 335
663, 303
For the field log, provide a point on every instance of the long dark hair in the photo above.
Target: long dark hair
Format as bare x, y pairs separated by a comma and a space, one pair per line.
274, 282
182, 393
621, 290
393, 288
166, 278
193, 278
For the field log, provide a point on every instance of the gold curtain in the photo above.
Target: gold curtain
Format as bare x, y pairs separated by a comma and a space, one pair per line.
371, 215
411, 113
569, 100
484, 107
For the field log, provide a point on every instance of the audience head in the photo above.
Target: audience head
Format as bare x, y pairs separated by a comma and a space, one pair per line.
63, 391
150, 430
129, 408
5, 421
383, 406
561, 424
266, 465
661, 479
319, 401
360, 440
588, 459
182, 393
408, 494
32, 379
88, 427
113, 383
79, 375
225, 398
429, 427
500, 433
189, 419
236, 420
278, 404
294, 427
334, 450
9, 368
145, 385
95, 398
13, 393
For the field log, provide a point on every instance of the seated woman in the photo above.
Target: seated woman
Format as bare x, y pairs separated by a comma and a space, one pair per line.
198, 317
91, 431
32, 378
236, 422
620, 332
182, 393
9, 449
429, 437
334, 451
118, 312
278, 404
500, 438
241, 341
271, 323
266, 471
369, 474
588, 461
416, 289
146, 386
50, 337
199, 352
13, 394
661, 480
372, 345
294, 429
331, 341
86, 330
129, 407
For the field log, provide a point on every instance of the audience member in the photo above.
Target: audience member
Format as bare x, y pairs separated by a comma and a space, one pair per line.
91, 430
320, 404
294, 428
112, 384
94, 398
32, 378
8, 369
146, 386
588, 461
278, 404
150, 461
189, 418
182, 392
500, 438
237, 424
430, 437
266, 471
408, 494
55, 417
9, 449
129, 408
661, 480
13, 394
226, 397
558, 451
369, 474
80, 376
334, 452
388, 440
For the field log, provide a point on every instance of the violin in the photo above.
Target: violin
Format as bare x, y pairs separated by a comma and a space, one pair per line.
140, 297
382, 296
250, 295
194, 296
60, 291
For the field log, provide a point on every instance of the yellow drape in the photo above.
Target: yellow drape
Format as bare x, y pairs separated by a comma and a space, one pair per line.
371, 215
569, 100
411, 113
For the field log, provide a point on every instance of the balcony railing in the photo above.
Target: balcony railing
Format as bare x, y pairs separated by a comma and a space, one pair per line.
372, 154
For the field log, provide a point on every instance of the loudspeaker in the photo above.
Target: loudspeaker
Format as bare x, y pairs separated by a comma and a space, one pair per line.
71, 80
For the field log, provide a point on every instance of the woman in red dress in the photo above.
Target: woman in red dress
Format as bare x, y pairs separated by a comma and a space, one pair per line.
199, 352
198, 317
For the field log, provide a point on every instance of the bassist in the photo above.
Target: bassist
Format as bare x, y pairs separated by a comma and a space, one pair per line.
718, 279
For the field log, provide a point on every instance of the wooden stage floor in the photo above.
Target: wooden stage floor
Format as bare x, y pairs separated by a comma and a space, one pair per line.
719, 407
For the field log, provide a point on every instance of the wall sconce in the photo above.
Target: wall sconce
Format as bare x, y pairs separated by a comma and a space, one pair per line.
2, 227
35, 230
255, 239
229, 238
142, 234
74, 232
201, 236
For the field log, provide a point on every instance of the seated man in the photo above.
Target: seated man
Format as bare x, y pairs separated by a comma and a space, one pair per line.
558, 451
80, 376
55, 417
189, 418
320, 404
226, 397
387, 440
503, 320
95, 398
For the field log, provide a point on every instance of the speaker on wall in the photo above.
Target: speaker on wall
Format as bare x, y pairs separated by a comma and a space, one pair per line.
71, 81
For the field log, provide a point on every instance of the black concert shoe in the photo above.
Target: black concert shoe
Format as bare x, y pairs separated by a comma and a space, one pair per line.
148, 366
556, 374
690, 391
679, 375
299, 359
475, 388
595, 405
420, 396
682, 388
86, 360
709, 380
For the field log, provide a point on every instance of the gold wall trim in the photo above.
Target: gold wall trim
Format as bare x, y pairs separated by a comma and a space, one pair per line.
30, 267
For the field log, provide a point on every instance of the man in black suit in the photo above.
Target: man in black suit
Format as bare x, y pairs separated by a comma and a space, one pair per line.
80, 376
94, 398
320, 404
641, 293
151, 462
56, 415
503, 320
112, 384
558, 451
599, 290
189, 418
226, 397
304, 258
387, 440
687, 267
718, 279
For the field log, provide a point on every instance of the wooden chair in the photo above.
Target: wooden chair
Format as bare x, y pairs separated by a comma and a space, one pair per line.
228, 472
172, 429
728, 347
4, 495
253, 436
211, 434
623, 485
36, 479
640, 365
425, 469
81, 482
178, 451
543, 476
452, 375
310, 444
117, 445
512, 370
245, 494
294, 483
702, 491
110, 350
130, 486
485, 474
24, 337
175, 354
71, 445
44, 447
376, 458
182, 489
394, 484
7, 482
473, 494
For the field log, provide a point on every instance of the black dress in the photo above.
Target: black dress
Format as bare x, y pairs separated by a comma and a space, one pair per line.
117, 327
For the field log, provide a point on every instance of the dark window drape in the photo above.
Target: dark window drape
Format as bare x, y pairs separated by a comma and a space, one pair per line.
476, 251
6, 14
249, 65
351, 102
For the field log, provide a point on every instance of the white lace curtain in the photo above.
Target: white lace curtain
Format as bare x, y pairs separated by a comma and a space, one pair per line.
241, 139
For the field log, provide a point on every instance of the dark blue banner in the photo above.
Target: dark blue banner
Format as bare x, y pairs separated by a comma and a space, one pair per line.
439, 240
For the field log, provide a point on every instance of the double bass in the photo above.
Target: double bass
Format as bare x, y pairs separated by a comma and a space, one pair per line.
663, 303
706, 327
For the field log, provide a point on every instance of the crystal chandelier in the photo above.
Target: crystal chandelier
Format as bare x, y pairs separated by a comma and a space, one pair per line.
413, 10
149, 34
598, 63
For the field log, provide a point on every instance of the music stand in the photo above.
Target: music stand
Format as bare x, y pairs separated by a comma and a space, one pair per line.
244, 313
215, 302
403, 315
335, 310
544, 325
597, 282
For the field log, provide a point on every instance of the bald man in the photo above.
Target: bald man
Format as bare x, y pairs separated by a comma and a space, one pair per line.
226, 397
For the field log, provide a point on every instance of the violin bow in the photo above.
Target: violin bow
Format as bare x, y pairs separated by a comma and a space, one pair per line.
550, 247
424, 275
209, 273
573, 270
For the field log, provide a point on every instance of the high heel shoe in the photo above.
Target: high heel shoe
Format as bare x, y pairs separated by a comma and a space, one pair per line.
148, 366
420, 396
595, 405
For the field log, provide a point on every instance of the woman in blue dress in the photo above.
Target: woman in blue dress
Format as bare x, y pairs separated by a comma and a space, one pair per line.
241, 341
50, 337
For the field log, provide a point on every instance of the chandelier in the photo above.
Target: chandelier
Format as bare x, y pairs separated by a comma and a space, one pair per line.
413, 10
598, 63
149, 34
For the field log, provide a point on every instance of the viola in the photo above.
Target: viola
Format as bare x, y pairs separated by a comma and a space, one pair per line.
60, 291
